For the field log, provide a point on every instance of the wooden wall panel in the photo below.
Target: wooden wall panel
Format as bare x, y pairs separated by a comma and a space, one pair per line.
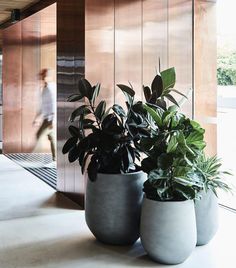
99, 50
205, 56
12, 66
30, 79
25, 49
180, 32
70, 68
128, 46
155, 38
48, 53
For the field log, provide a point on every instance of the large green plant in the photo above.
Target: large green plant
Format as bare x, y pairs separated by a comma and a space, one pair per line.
104, 138
108, 140
172, 148
174, 143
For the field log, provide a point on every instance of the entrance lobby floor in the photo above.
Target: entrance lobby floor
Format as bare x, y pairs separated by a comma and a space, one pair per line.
42, 228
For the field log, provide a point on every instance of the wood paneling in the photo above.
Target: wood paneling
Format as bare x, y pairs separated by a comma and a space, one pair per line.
99, 50
128, 47
30, 80
180, 47
12, 79
205, 55
29, 45
155, 38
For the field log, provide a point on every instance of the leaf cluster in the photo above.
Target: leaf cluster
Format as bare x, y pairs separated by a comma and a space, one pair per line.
174, 143
104, 139
171, 149
209, 168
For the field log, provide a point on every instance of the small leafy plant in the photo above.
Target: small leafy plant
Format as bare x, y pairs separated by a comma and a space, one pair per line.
172, 148
212, 175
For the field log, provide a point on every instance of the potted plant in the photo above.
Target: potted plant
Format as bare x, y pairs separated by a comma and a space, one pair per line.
168, 225
206, 208
107, 144
104, 143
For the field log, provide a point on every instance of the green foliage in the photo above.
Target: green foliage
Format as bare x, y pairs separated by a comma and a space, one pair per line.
171, 149
109, 140
104, 139
162, 88
212, 175
226, 71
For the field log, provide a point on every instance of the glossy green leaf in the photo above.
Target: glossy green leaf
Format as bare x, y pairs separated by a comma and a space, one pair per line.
83, 109
74, 97
154, 114
147, 93
70, 143
157, 85
96, 93
168, 77
119, 110
100, 110
172, 145
172, 99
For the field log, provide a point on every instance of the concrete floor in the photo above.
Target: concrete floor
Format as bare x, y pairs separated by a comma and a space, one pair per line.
40, 228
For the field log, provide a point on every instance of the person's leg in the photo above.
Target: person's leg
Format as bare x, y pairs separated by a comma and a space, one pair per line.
40, 134
51, 137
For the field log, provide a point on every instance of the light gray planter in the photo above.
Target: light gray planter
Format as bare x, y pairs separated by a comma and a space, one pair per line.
113, 207
206, 217
168, 230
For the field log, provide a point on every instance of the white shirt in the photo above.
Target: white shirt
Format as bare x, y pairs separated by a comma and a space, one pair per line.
48, 104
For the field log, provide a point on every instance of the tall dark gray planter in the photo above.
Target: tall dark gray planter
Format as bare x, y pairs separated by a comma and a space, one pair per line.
206, 217
168, 230
113, 207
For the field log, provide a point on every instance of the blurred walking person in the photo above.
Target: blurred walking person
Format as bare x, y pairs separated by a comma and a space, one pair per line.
46, 114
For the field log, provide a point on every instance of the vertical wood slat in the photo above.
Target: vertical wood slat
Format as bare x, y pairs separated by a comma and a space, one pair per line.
180, 34
128, 47
99, 51
205, 78
155, 38
25, 46
30, 79
12, 66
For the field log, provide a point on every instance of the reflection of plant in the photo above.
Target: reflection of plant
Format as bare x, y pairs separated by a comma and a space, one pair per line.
226, 70
210, 170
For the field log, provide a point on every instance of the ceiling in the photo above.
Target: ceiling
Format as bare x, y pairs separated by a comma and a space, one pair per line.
7, 5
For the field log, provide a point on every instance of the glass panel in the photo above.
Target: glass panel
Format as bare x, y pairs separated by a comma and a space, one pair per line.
226, 92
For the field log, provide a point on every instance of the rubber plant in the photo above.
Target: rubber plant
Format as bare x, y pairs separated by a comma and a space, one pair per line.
104, 138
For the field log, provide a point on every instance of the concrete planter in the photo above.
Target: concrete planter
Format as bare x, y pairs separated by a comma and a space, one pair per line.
113, 207
206, 217
168, 230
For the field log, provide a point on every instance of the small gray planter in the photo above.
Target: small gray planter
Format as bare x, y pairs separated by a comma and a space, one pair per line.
206, 217
113, 207
168, 230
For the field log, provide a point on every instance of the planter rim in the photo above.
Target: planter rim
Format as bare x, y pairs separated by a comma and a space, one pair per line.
167, 202
123, 174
